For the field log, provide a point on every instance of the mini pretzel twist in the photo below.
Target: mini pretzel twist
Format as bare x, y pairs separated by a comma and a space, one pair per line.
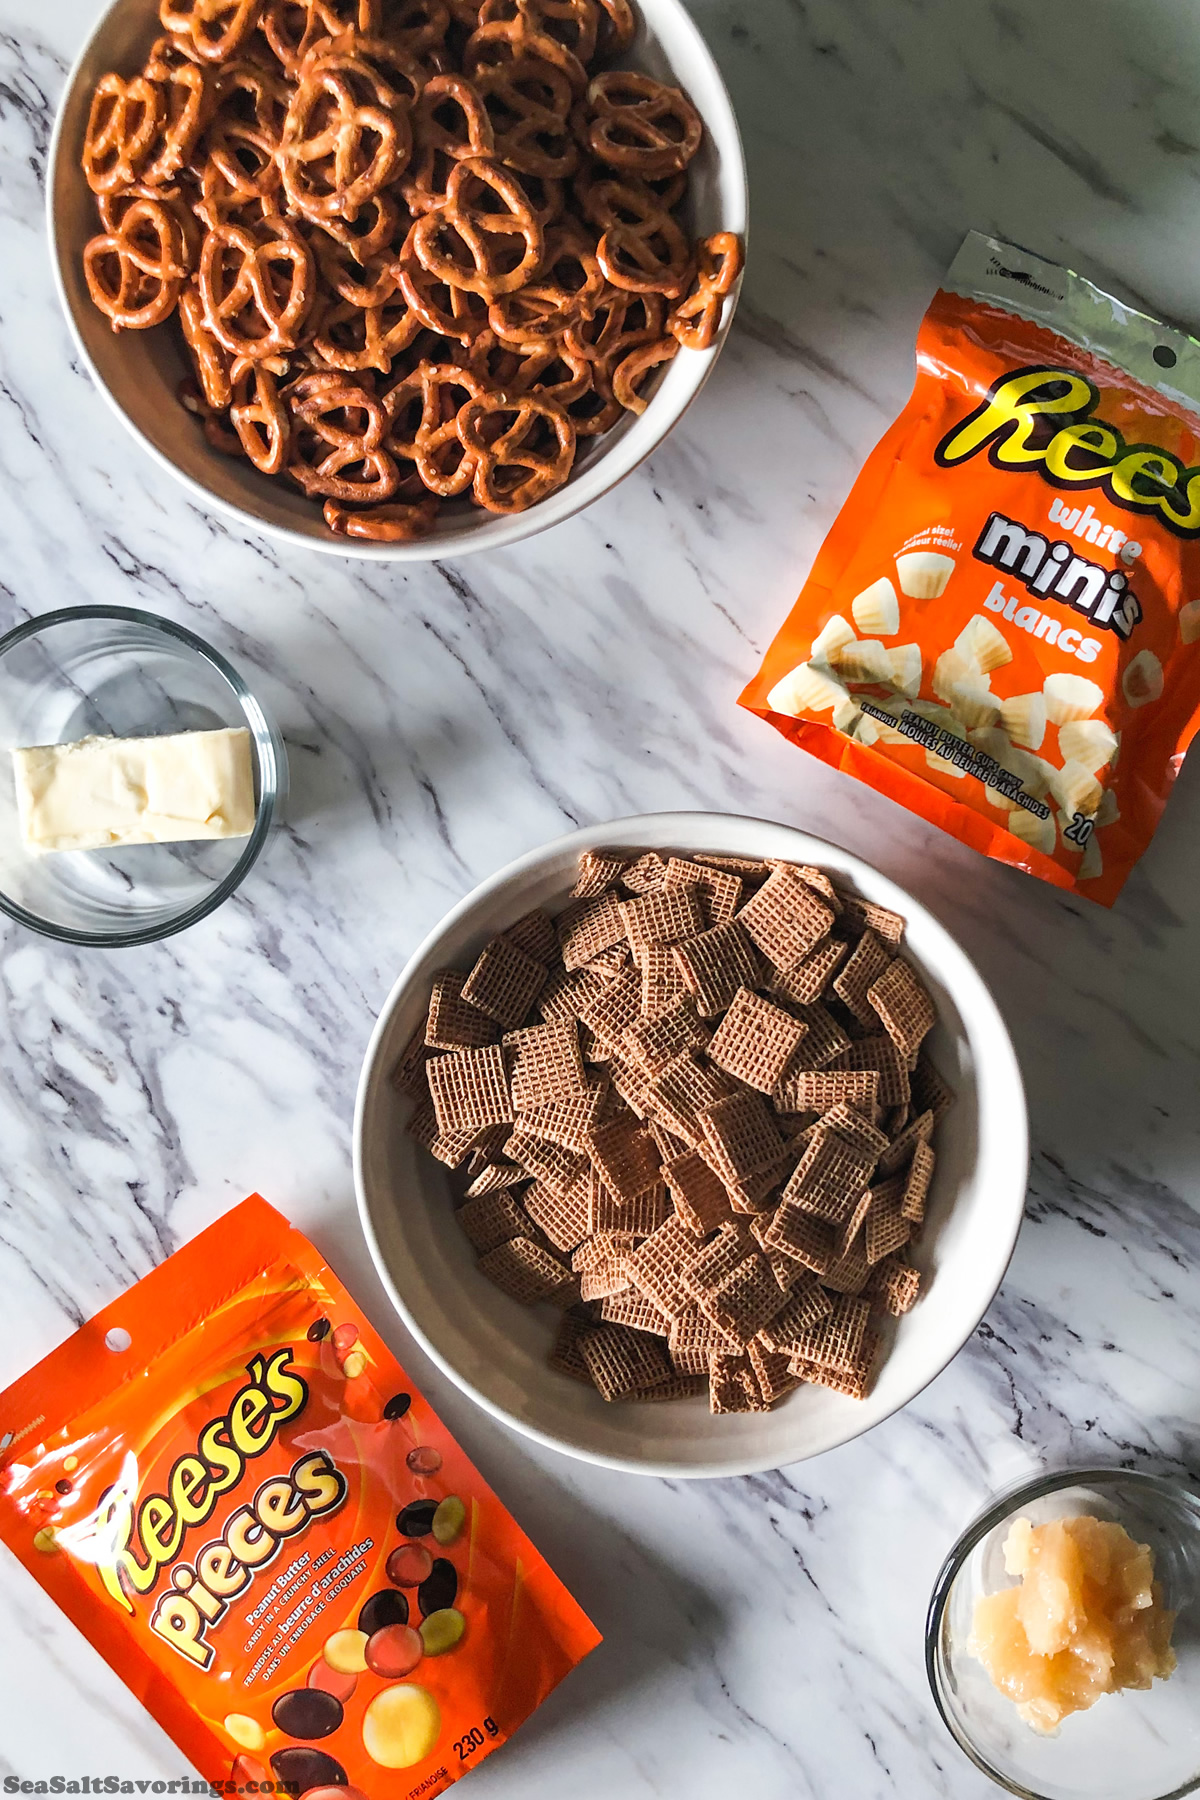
292, 27
245, 135
528, 102
505, 41
248, 305
259, 416
640, 125
135, 273
498, 482
124, 120
188, 95
342, 419
337, 151
212, 30
643, 249
486, 234
695, 318
422, 412
354, 338
573, 23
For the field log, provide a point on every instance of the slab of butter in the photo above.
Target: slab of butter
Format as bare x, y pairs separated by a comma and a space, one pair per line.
105, 791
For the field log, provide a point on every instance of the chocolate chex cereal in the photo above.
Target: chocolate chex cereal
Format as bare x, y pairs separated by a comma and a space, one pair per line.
694, 1114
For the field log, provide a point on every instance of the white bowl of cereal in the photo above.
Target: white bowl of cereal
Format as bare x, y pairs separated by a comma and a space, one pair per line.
337, 357
739, 1176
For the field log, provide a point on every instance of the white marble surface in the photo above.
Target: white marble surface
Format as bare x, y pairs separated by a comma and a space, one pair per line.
765, 1633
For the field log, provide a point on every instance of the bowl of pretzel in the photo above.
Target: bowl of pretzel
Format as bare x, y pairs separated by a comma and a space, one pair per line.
398, 278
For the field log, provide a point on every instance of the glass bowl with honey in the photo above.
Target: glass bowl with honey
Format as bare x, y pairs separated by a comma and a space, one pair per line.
1063, 1638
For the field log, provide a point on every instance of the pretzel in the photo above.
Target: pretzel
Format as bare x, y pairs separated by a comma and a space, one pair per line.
453, 312
136, 272
395, 524
219, 204
113, 207
292, 27
124, 120
528, 103
573, 23
210, 359
418, 27
631, 369
328, 164
261, 421
438, 145
422, 412
188, 96
516, 448
640, 125
617, 28
344, 419
608, 333
245, 305
566, 290
694, 318
212, 30
643, 250
486, 236
353, 338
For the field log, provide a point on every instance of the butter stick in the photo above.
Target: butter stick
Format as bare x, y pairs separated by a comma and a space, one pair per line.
102, 792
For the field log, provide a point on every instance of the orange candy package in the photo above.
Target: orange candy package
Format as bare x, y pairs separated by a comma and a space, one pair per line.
229, 1484
1002, 629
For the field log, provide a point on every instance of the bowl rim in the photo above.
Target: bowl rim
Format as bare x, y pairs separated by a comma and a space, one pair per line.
269, 760
1002, 1506
502, 530
668, 825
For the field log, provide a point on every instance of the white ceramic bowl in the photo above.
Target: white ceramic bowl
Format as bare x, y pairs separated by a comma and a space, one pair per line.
496, 1350
138, 371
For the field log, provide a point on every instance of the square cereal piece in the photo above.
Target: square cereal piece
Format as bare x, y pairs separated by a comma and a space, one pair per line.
589, 926
742, 1134
494, 1178
625, 1157
598, 870
718, 1258
565, 1356
830, 1178
757, 1193
524, 1271
666, 1143
916, 1186
607, 1212
620, 1360
895, 1285
408, 1076
929, 1092
856, 1130
492, 1219
680, 1387
918, 1130
799, 1234
544, 1063
771, 1371
837, 1341
721, 889
630, 1088
681, 1089
755, 1041
750, 868
714, 965
666, 916
732, 1384
567, 1121
785, 919
850, 1273
610, 963
469, 1088
662, 984
804, 982
903, 1003
865, 964
806, 1306
553, 1165
887, 1228
614, 1008
787, 1271
745, 1299
819, 881
865, 915
652, 1043
692, 1339
849, 1230
823, 1042
601, 1247
452, 1023
504, 983
601, 1280
879, 1052
632, 1308
854, 1383
534, 933
562, 1218
645, 875
818, 1090
700, 1197
655, 1266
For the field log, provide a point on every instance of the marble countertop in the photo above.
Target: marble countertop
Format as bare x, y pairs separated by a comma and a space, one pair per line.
768, 1631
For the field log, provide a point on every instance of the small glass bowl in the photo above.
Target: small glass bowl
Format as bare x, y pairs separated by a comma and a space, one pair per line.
113, 671
1136, 1745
